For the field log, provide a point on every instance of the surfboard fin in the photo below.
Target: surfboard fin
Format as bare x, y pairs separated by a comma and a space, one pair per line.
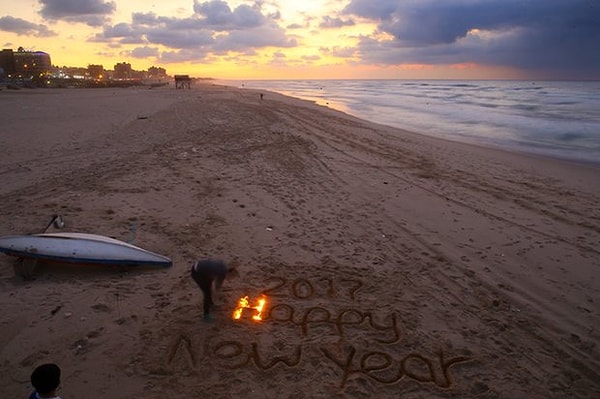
56, 221
59, 223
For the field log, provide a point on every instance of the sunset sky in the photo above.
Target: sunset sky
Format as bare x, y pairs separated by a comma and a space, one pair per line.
316, 39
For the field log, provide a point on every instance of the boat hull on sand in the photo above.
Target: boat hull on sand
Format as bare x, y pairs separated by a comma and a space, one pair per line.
80, 248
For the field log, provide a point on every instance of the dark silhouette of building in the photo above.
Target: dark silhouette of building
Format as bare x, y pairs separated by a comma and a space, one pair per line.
32, 64
7, 62
123, 71
96, 72
157, 73
26, 65
34, 69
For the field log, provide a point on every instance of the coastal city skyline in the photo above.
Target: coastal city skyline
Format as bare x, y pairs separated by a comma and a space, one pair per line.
317, 39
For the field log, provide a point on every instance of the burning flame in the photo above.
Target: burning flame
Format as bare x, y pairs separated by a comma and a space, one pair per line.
244, 303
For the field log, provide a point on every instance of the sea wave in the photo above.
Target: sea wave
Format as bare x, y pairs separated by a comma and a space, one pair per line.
554, 119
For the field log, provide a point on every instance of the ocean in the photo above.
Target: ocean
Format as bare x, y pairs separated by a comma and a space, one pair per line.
556, 119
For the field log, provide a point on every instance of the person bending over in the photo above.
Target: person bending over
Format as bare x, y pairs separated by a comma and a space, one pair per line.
205, 273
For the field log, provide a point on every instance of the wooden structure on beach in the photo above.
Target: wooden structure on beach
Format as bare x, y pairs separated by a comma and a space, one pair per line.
183, 81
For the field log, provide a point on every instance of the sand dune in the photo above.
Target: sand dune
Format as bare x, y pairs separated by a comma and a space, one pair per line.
395, 265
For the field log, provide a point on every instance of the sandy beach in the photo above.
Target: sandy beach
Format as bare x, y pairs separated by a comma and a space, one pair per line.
394, 264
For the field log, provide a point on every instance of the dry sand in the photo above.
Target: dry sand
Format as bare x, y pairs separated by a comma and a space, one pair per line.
395, 265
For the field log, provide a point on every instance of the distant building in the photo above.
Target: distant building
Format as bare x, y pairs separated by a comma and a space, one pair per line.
96, 72
31, 64
123, 71
157, 73
34, 69
78, 73
25, 65
7, 62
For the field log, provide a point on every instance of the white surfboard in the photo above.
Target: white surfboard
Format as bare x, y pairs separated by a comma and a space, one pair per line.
80, 248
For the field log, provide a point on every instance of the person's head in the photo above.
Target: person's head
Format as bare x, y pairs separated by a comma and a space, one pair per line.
46, 378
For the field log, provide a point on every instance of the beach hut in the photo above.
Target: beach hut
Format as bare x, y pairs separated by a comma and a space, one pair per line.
183, 81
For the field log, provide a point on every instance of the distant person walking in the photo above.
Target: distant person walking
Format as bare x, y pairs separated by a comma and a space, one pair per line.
205, 272
46, 380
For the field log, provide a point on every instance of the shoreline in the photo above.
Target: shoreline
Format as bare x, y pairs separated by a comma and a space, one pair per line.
480, 148
394, 263
211, 81
498, 134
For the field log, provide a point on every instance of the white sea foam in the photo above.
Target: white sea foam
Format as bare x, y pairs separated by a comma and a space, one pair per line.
556, 119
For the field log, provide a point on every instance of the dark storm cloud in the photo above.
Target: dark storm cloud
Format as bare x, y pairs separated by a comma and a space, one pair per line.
22, 27
214, 26
90, 12
560, 36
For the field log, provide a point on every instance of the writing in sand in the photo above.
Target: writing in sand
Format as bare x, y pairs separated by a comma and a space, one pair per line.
352, 341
